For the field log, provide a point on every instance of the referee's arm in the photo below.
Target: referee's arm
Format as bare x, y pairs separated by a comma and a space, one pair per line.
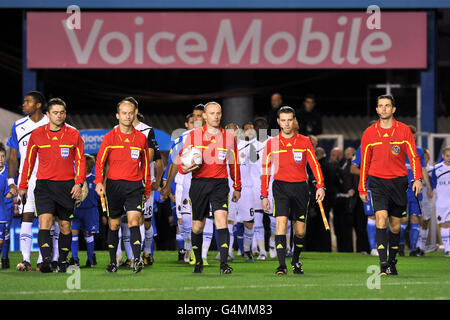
414, 160
80, 161
102, 156
30, 161
265, 175
145, 167
235, 170
366, 155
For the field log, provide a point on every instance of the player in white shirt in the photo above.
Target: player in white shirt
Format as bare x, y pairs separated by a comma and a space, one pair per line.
440, 180
33, 105
156, 167
427, 209
183, 183
245, 205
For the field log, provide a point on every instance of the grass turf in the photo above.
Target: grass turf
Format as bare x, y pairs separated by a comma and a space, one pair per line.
327, 276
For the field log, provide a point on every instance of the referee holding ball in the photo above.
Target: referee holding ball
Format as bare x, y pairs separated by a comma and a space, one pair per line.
209, 187
124, 150
60, 176
384, 147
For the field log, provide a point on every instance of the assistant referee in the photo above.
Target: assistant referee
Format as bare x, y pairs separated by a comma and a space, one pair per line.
384, 147
60, 176
124, 150
289, 152
209, 187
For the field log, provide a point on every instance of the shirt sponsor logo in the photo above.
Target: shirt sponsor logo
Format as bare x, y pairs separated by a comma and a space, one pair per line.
395, 150
298, 156
134, 154
64, 153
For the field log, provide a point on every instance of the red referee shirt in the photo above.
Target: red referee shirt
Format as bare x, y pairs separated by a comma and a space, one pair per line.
289, 157
61, 156
127, 156
216, 150
383, 153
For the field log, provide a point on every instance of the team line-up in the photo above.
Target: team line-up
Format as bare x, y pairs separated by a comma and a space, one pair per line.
221, 175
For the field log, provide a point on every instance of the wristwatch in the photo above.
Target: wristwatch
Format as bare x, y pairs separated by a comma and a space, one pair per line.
81, 185
262, 197
420, 179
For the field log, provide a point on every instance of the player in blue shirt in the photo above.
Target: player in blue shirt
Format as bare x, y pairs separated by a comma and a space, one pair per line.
368, 209
412, 209
5, 195
9, 209
86, 217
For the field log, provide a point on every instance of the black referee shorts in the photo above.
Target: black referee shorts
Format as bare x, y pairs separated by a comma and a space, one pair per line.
123, 195
389, 194
54, 197
208, 194
290, 199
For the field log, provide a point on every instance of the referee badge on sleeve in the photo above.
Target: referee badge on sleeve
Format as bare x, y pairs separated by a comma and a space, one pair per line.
134, 154
64, 153
297, 156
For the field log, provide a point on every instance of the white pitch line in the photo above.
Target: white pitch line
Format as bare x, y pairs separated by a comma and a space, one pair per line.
214, 288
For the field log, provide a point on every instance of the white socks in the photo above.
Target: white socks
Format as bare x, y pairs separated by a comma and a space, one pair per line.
207, 237
26, 240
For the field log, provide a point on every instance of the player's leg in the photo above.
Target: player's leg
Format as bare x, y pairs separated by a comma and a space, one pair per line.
272, 250
423, 235
26, 232
371, 231
119, 253
5, 247
403, 227
207, 238
288, 239
74, 246
187, 231
248, 239
126, 241
259, 234
414, 233
2, 237
230, 231
55, 240
148, 241
89, 237
443, 219
246, 214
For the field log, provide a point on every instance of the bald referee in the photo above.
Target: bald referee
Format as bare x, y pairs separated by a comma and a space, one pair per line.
384, 147
209, 186
124, 151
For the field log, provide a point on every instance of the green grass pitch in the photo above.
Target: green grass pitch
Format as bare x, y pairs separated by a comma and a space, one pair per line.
327, 276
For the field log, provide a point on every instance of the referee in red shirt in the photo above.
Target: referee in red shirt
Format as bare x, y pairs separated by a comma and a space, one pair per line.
384, 147
209, 187
124, 151
60, 177
289, 152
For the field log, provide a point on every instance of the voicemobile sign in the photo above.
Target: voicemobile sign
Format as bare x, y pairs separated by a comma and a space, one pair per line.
226, 40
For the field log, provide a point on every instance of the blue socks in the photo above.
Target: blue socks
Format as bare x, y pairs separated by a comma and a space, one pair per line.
402, 233
90, 247
74, 247
239, 233
371, 231
414, 235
